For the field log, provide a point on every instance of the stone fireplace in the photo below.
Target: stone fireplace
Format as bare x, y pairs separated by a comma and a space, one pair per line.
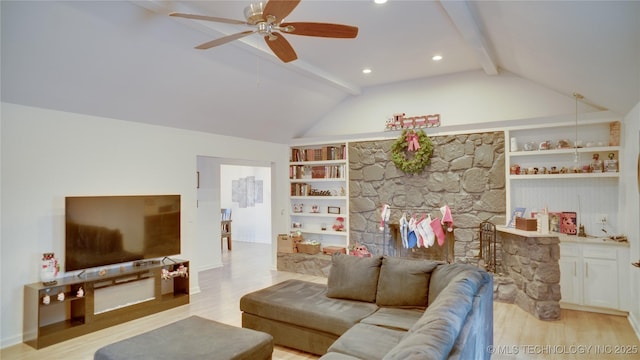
531, 277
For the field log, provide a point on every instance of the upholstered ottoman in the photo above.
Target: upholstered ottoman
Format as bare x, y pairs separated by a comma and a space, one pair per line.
191, 338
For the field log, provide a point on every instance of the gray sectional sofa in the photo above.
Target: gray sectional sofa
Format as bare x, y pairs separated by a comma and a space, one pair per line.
380, 308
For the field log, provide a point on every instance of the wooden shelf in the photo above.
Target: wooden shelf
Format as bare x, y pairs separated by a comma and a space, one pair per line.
78, 314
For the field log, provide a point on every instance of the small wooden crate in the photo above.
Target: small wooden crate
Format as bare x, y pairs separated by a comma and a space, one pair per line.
286, 244
310, 249
526, 224
330, 250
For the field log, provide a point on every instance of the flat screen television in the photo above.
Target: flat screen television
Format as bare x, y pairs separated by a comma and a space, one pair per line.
107, 230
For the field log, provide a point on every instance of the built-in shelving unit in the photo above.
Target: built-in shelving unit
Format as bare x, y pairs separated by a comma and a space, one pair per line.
546, 170
77, 305
318, 176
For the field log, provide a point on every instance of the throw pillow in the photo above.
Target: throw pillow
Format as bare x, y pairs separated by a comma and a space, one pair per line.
353, 278
404, 282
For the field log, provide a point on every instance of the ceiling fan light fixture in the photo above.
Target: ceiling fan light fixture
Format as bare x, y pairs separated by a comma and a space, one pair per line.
253, 12
366, 71
436, 57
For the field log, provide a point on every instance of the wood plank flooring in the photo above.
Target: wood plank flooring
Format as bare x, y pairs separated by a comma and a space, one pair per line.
517, 335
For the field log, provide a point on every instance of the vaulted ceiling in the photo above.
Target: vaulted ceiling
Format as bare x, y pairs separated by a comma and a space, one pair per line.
129, 60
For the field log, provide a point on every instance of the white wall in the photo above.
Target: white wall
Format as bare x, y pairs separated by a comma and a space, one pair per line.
464, 100
250, 224
47, 155
630, 205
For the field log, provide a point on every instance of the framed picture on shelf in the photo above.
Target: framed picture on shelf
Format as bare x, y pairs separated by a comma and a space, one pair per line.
517, 212
568, 223
333, 210
554, 221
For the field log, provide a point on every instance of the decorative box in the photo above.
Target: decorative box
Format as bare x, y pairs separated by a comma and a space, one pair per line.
330, 250
526, 224
310, 249
286, 244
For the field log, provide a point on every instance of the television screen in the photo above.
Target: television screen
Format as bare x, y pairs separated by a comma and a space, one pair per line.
106, 230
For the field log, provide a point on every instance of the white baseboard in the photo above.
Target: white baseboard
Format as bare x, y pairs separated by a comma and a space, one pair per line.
635, 324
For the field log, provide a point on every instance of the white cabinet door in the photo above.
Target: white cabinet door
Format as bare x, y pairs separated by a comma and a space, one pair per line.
570, 279
601, 283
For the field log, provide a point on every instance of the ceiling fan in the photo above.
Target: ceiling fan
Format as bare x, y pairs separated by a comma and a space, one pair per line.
267, 19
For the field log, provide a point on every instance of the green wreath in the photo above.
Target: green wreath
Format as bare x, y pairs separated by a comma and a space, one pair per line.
421, 158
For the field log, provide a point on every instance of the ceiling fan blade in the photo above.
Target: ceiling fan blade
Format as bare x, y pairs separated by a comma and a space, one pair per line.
279, 8
207, 18
224, 40
321, 29
281, 47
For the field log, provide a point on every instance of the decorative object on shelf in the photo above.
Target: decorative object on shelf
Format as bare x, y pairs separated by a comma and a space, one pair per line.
581, 232
359, 251
530, 146
568, 223
297, 208
323, 226
526, 224
611, 164
596, 163
413, 141
338, 225
514, 144
545, 145
564, 144
49, 269
514, 169
181, 271
330, 250
309, 247
296, 225
399, 121
61, 296
315, 209
333, 209
316, 192
614, 133
80, 292
46, 299
102, 272
516, 213
554, 221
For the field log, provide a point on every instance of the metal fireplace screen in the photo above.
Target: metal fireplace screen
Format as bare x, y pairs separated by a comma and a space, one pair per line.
488, 246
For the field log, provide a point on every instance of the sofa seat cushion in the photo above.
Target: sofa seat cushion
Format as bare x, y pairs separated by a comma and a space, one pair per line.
306, 304
365, 341
394, 318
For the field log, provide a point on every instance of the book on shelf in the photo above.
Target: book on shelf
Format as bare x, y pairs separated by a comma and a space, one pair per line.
319, 154
300, 189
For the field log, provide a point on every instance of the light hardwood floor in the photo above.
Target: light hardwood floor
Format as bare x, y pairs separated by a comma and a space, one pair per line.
517, 334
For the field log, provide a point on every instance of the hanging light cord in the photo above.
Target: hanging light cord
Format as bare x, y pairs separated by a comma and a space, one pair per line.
575, 144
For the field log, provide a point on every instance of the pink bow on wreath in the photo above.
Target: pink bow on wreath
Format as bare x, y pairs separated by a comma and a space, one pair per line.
412, 139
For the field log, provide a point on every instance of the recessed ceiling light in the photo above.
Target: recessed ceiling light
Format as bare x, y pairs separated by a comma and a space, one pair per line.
366, 71
379, 1
436, 58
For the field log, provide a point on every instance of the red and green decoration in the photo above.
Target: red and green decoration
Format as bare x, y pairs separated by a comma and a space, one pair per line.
411, 153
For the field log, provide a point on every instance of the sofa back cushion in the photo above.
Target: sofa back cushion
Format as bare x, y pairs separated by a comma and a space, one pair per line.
404, 282
353, 278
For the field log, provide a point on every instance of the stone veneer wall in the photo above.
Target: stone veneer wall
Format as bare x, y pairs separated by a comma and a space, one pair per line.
532, 264
466, 173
